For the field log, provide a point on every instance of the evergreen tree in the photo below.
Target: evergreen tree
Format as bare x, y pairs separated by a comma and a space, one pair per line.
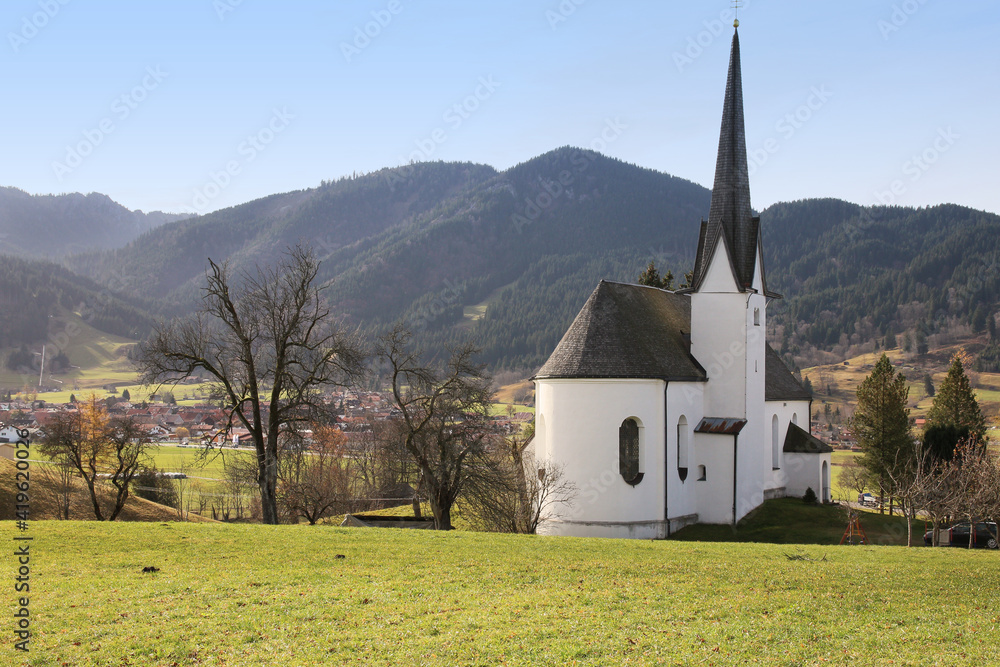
881, 424
991, 326
890, 341
921, 343
929, 385
125, 395
978, 320
72, 398
955, 403
907, 345
651, 278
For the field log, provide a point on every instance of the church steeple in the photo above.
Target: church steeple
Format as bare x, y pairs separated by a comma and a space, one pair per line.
730, 220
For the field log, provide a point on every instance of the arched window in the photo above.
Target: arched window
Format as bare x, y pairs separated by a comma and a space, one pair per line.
628, 452
682, 447
795, 418
702, 474
756, 317
775, 444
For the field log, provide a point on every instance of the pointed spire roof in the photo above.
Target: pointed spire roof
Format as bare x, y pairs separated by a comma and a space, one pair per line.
730, 220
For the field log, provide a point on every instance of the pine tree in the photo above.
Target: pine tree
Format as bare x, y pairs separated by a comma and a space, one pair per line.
929, 385
921, 343
881, 423
955, 403
890, 341
125, 395
991, 326
651, 278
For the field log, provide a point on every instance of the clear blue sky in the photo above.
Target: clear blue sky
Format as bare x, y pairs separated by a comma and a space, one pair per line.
898, 79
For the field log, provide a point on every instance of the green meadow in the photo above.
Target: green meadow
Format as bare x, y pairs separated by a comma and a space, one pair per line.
261, 595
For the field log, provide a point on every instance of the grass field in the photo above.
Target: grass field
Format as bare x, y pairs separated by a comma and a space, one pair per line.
256, 595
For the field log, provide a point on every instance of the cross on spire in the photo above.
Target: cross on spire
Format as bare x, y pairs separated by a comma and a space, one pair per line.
737, 5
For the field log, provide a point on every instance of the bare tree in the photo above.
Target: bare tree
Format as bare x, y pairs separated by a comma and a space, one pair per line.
317, 482
382, 465
59, 476
854, 478
518, 495
270, 344
100, 448
445, 416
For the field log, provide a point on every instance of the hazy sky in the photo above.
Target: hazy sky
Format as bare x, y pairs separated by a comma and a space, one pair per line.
202, 104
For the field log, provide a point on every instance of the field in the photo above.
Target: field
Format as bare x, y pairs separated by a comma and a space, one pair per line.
252, 595
837, 384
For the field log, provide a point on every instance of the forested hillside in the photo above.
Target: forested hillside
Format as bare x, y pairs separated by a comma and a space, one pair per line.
459, 250
33, 291
53, 226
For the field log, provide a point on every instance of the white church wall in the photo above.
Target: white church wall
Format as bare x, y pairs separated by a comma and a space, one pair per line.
581, 419
684, 401
754, 460
805, 471
786, 412
715, 493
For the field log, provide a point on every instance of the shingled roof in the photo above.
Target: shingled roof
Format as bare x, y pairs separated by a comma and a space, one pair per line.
730, 218
628, 331
779, 383
798, 441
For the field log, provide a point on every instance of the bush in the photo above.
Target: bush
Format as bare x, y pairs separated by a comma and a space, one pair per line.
149, 484
810, 497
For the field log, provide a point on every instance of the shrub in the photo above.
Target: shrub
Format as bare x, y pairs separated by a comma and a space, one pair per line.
810, 497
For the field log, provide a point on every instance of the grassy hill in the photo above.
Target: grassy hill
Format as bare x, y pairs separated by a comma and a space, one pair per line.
250, 595
43, 502
836, 384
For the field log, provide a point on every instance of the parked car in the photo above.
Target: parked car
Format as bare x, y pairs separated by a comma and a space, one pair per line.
958, 535
867, 500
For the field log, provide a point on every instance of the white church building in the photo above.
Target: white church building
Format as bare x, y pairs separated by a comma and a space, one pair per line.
666, 409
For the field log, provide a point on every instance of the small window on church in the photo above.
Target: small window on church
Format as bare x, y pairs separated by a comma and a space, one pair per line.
756, 317
628, 452
682, 448
702, 474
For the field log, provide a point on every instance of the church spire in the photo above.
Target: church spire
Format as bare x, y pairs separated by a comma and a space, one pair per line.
730, 219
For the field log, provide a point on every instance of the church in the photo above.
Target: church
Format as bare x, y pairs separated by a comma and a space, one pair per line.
666, 409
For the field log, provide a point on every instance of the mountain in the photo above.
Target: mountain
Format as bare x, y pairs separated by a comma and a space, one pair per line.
509, 257
40, 299
52, 226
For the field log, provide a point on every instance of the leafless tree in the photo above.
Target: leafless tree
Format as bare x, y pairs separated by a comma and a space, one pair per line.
382, 465
268, 340
519, 493
101, 448
855, 479
316, 482
59, 476
445, 414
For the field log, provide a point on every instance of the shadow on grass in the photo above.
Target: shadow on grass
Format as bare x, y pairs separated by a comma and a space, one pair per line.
791, 521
